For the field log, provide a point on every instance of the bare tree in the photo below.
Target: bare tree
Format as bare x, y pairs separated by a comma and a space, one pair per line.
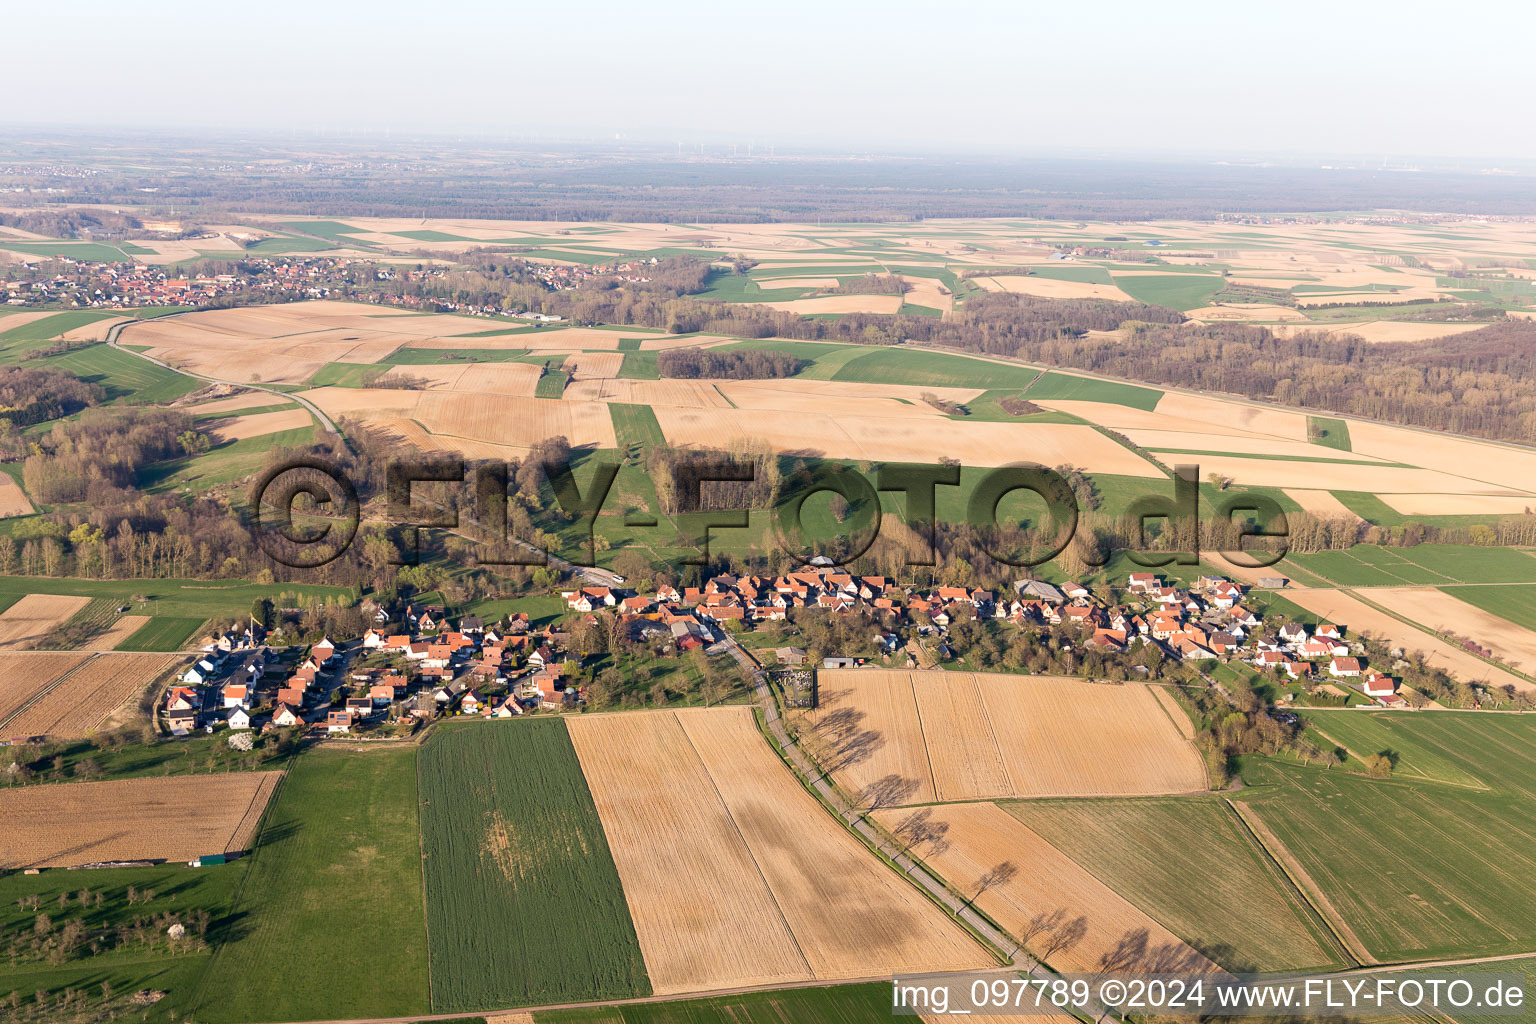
919, 829
887, 791
1041, 923
1064, 937
1127, 953
998, 874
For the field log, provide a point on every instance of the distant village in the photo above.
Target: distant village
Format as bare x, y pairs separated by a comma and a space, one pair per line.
416, 663
65, 282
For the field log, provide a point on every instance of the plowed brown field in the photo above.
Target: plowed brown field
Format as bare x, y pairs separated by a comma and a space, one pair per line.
175, 818
734, 873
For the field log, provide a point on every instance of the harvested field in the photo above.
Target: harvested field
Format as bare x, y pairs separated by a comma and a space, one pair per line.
792, 399
1254, 313
1222, 442
964, 736
981, 836
498, 378
840, 390
592, 365
1171, 705
962, 748
554, 341
1346, 610
96, 330
1051, 288
1440, 611
1504, 468
1249, 416
83, 698
412, 434
482, 378
838, 304
848, 913
1125, 417
31, 620
23, 674
435, 376
1322, 504
13, 500
882, 705
1065, 737
121, 630
1392, 330
1460, 504
1332, 476
238, 428
704, 915
501, 420
926, 291
695, 394
733, 873
661, 343
248, 400
796, 282
510, 420
907, 439
173, 818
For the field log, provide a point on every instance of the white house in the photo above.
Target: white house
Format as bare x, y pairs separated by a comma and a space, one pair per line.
1379, 685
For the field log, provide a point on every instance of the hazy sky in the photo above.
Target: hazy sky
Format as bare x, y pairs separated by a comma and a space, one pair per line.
1340, 77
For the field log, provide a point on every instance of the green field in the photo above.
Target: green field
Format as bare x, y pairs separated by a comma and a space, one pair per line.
516, 862
1190, 864
224, 464
185, 599
1063, 386
347, 375
1525, 966
635, 424
1363, 733
19, 340
162, 633
96, 252
330, 918
1366, 565
1517, 603
1176, 291
1418, 869
639, 365
927, 368
1326, 430
552, 384
178, 890
126, 378
839, 1004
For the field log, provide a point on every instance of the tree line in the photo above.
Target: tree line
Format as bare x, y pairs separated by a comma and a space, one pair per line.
747, 364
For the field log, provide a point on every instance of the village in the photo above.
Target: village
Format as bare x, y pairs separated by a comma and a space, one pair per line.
65, 282
418, 663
